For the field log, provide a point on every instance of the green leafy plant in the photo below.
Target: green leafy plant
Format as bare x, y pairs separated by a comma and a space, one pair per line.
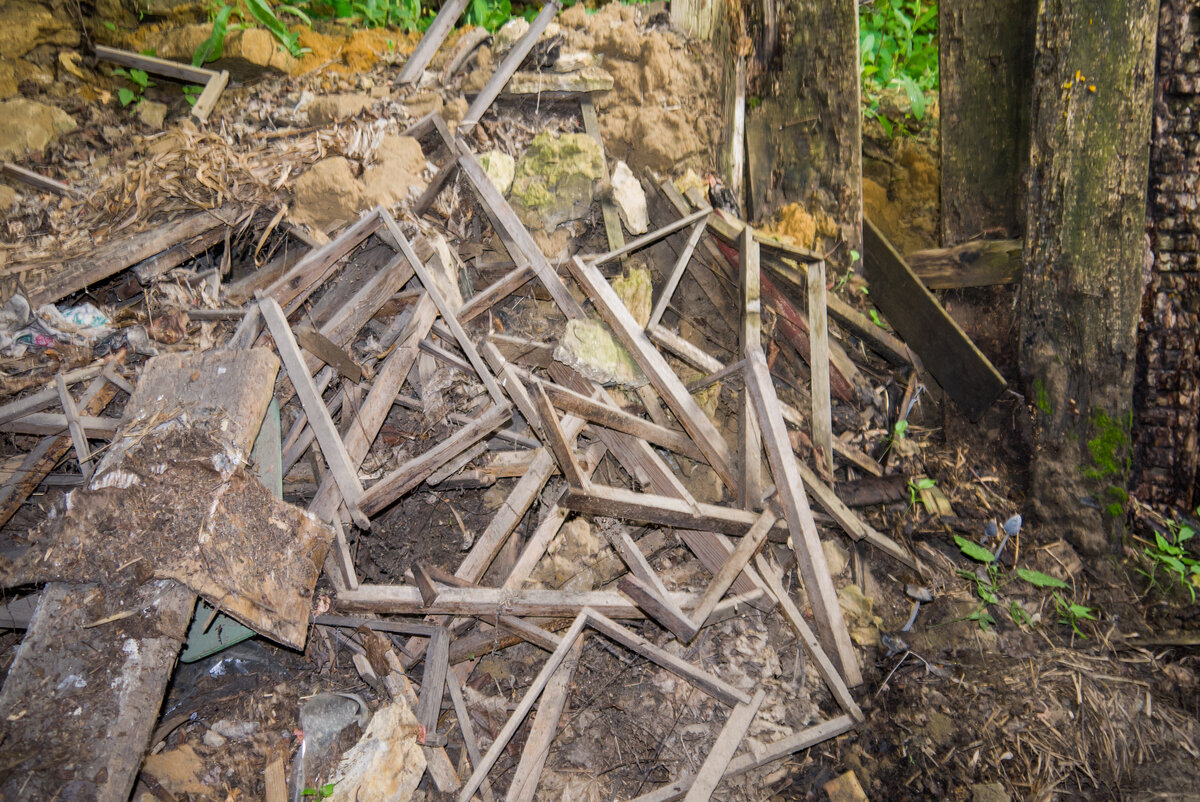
212, 47
915, 488
265, 16
135, 94
1169, 553
489, 14
1071, 613
324, 792
898, 51
191, 93
876, 319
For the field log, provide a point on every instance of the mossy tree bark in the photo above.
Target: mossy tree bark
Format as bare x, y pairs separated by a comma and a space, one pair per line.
804, 141
1084, 257
986, 63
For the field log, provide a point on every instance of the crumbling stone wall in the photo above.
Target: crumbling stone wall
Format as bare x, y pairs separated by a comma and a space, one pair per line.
1166, 395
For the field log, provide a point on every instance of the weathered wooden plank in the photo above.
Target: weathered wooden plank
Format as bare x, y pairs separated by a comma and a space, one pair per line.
608, 209
946, 351
468, 729
211, 94
674, 393
728, 741
516, 238
749, 340
435, 34
805, 541
328, 352
617, 502
489, 296
657, 607
482, 601
543, 729
46, 423
672, 281
404, 478
980, 263
294, 286
340, 465
508, 66
822, 408
750, 543
647, 239
613, 418
156, 66
557, 440
78, 439
40, 181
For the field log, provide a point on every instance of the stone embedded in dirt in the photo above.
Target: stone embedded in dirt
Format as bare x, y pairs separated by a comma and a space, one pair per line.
387, 763
837, 557
152, 114
585, 79
630, 199
8, 79
989, 792
860, 616
555, 179
509, 33
590, 348
8, 196
398, 173
329, 109
635, 290
422, 103
500, 169
28, 25
29, 125
328, 195
454, 111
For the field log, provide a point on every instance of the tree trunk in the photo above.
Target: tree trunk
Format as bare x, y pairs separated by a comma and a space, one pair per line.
986, 61
1084, 257
804, 141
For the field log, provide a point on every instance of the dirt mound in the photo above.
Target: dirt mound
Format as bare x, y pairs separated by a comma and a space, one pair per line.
660, 114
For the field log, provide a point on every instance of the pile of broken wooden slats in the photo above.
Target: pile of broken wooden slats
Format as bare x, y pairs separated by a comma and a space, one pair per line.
568, 424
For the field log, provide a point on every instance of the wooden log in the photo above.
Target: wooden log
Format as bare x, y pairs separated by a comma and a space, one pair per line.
728, 741
652, 363
434, 35
404, 478
980, 263
946, 351
508, 66
805, 541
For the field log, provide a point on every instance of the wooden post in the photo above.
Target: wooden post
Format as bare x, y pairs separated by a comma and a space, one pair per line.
749, 436
818, 327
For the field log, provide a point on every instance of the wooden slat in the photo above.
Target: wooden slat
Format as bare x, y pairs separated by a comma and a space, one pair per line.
45, 423
652, 363
449, 315
728, 741
435, 34
488, 297
945, 350
608, 209
647, 239
340, 465
468, 729
516, 238
328, 352
557, 440
211, 94
617, 502
544, 728
482, 601
40, 181
672, 281
750, 341
805, 541
658, 607
404, 478
157, 66
750, 543
822, 408
294, 286
78, 438
612, 418
508, 66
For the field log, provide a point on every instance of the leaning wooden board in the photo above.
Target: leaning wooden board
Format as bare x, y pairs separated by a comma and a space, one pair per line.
946, 351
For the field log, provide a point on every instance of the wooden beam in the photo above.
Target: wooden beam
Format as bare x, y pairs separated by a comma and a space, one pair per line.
946, 351
617, 502
652, 363
647, 239
805, 541
508, 66
557, 440
545, 726
340, 465
822, 408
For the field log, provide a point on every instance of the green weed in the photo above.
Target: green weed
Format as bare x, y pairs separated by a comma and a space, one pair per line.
1169, 553
135, 94
191, 93
212, 48
898, 49
1071, 613
915, 488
